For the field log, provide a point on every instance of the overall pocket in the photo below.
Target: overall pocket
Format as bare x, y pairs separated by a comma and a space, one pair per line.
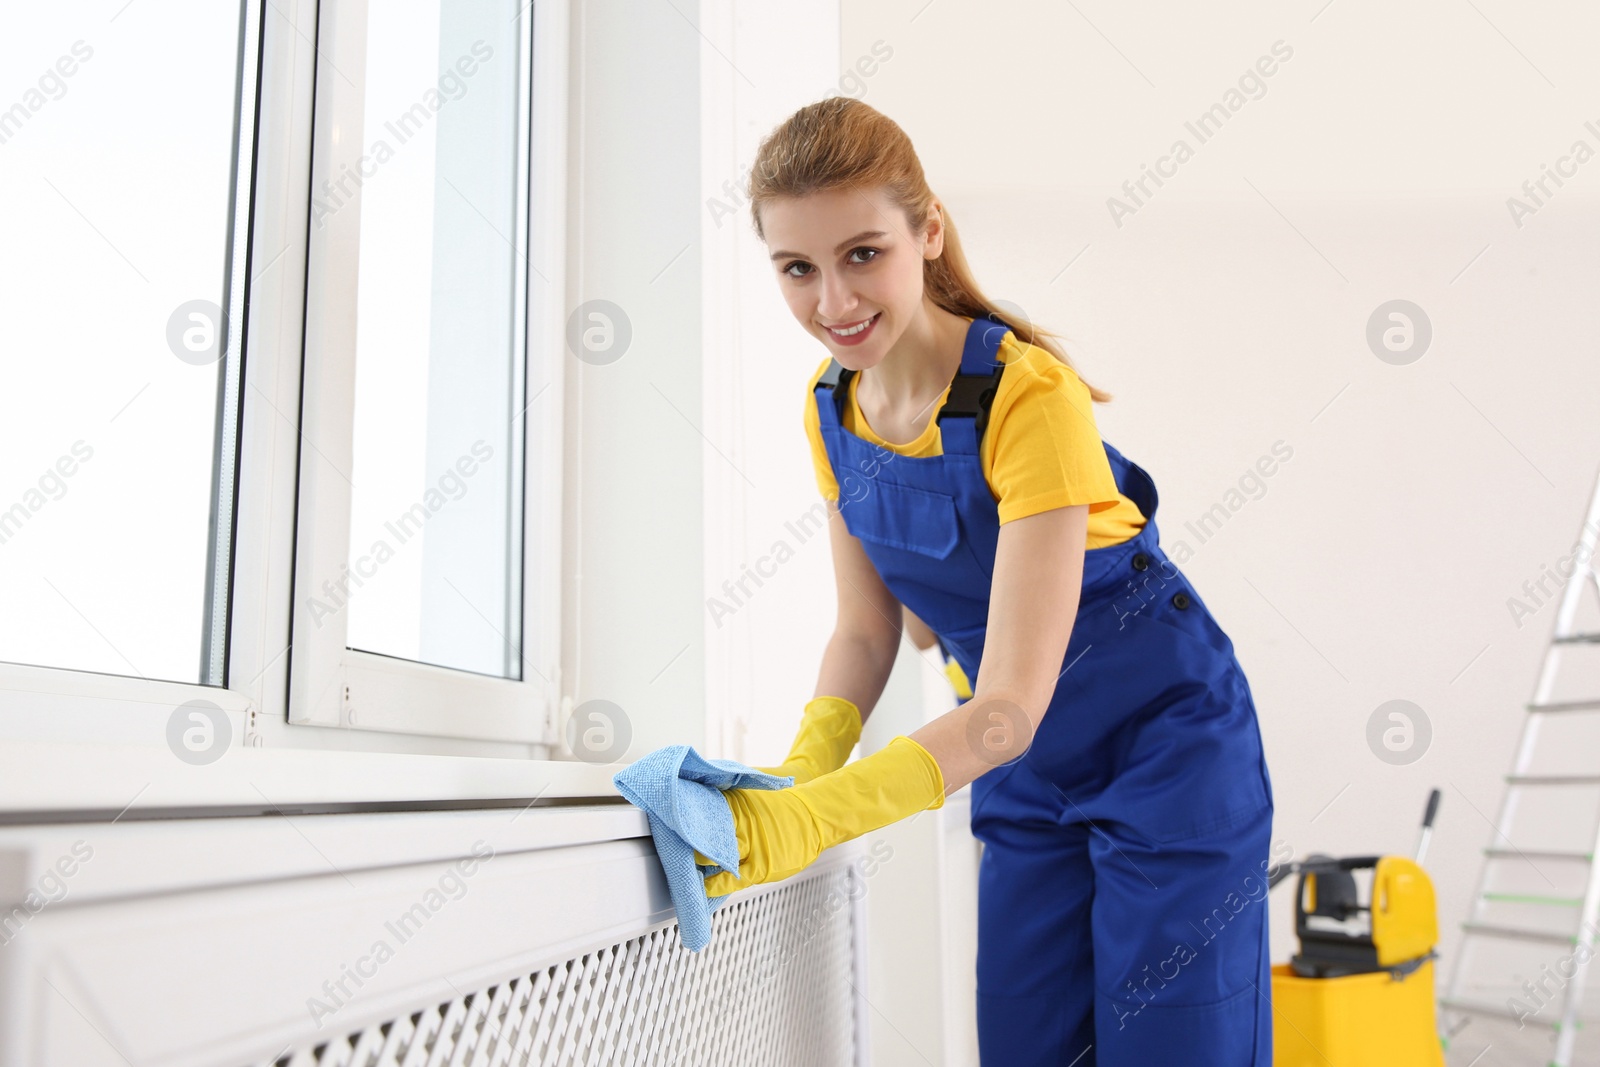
915, 540
905, 517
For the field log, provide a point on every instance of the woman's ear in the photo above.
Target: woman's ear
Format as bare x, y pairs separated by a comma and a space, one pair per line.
933, 232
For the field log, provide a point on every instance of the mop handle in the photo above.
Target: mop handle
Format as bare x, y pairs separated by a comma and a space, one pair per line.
1325, 863
1427, 825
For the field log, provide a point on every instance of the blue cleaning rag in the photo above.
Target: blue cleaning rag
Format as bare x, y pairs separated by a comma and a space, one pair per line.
680, 792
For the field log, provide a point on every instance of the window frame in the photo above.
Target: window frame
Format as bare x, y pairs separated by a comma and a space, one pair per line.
30, 686
330, 684
93, 743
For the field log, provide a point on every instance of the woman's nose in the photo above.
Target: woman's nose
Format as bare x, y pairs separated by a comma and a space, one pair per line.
837, 298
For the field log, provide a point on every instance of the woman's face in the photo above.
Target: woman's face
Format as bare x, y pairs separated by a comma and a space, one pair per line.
849, 268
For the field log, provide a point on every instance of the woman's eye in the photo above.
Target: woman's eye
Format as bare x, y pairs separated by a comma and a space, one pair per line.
871, 252
789, 270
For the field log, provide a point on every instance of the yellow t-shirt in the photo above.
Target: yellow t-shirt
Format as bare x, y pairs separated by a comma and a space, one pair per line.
1040, 451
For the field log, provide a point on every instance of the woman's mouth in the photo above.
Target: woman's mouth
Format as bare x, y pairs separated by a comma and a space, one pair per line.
855, 332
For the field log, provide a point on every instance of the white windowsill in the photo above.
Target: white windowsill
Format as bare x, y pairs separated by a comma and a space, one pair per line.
152, 857
40, 779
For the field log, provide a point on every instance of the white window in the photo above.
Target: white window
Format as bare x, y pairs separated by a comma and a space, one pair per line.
410, 611
124, 164
281, 334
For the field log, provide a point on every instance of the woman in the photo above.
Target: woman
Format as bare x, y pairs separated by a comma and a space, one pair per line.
1118, 782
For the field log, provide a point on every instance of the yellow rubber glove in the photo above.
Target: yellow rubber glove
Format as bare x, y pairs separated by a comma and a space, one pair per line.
782, 831
958, 678
829, 729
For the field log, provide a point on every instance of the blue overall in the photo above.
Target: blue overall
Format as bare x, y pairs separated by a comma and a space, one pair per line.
1122, 913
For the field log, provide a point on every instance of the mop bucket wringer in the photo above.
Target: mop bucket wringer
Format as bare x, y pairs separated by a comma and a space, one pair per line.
1360, 992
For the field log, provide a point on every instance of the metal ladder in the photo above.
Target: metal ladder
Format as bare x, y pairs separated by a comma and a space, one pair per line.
1563, 636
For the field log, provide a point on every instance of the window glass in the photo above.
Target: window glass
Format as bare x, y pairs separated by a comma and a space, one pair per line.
120, 269
436, 474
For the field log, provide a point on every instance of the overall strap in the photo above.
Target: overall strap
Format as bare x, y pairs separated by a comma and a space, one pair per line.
978, 380
971, 391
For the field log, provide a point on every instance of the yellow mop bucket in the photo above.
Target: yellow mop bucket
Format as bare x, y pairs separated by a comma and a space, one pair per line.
1360, 992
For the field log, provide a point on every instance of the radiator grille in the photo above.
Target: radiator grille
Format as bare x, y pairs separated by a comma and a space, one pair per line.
776, 986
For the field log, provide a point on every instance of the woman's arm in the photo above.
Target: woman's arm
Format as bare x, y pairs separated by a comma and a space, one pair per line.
866, 631
1038, 576
1033, 602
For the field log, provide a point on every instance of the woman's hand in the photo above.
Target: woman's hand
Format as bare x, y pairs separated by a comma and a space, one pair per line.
829, 730
782, 831
777, 838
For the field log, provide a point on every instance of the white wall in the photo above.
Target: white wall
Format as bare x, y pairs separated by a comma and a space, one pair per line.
1229, 311
633, 441
765, 622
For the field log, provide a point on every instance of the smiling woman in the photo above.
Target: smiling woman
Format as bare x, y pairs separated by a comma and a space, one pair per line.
1016, 533
857, 295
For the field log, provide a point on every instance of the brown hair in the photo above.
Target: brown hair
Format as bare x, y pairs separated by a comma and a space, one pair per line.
841, 143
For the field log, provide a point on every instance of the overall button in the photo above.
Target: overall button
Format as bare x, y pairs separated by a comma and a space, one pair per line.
1180, 601
1140, 561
